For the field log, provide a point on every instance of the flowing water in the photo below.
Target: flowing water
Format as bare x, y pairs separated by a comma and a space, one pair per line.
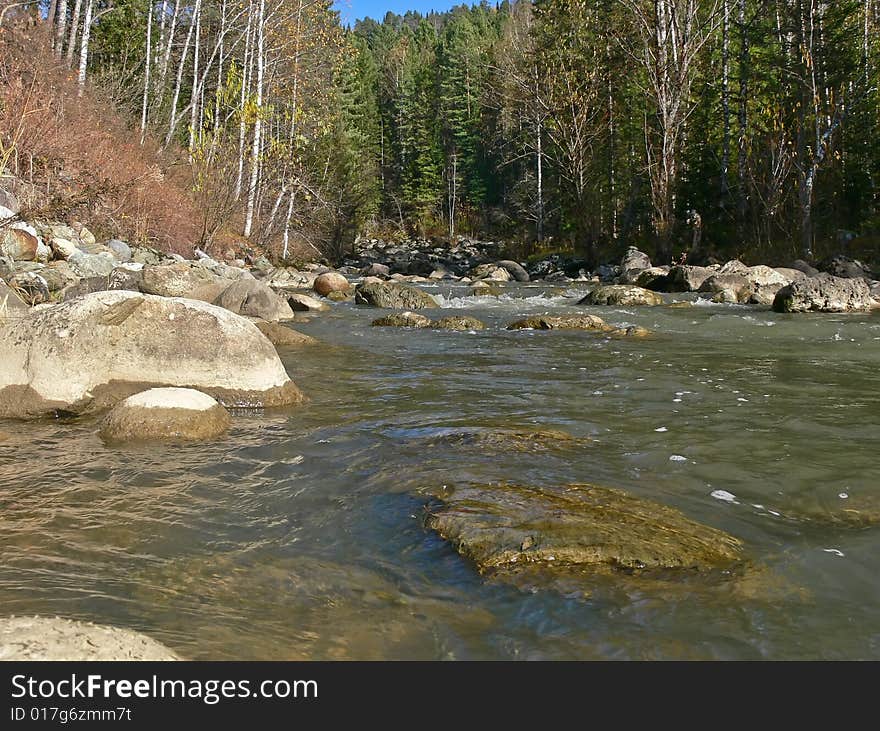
300, 534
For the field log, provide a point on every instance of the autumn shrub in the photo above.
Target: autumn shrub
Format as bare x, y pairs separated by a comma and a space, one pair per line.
80, 160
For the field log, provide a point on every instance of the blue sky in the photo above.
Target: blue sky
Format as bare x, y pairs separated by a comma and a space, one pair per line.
352, 10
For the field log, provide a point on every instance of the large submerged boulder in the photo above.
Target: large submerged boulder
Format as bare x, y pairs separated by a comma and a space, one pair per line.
91, 352
393, 296
561, 322
588, 528
53, 638
166, 414
825, 293
621, 295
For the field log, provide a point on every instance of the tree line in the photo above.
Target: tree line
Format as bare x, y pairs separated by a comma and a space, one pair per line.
728, 127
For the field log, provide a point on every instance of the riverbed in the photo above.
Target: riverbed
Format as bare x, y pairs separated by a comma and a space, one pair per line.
300, 534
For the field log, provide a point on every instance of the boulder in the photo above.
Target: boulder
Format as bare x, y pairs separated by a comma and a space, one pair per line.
283, 337
845, 268
490, 272
129, 277
63, 248
515, 270
341, 296
251, 298
120, 249
804, 267
165, 414
393, 296
633, 263
623, 295
653, 278
147, 256
31, 287
304, 303
89, 285
11, 304
732, 287
485, 289
583, 528
376, 270
402, 319
87, 354
58, 275
824, 293
53, 638
684, 278
91, 265
19, 242
457, 322
561, 322
734, 266
329, 282
182, 280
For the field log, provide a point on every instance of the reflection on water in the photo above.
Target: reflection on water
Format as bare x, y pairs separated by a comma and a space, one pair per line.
300, 534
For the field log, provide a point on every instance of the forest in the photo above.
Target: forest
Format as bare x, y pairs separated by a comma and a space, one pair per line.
694, 128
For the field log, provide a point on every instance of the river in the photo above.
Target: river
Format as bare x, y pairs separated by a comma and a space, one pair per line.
300, 535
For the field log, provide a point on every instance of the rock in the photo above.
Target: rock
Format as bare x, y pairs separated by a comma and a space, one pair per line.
146, 256
561, 322
393, 296
734, 266
11, 304
31, 287
87, 354
457, 322
19, 242
522, 440
441, 273
763, 276
623, 295
340, 296
845, 268
182, 280
53, 638
402, 319
283, 337
165, 414
653, 278
634, 331
824, 293
304, 303
63, 248
89, 285
490, 272
515, 270
10, 203
126, 277
91, 265
251, 298
58, 275
120, 249
86, 237
792, 275
485, 289
376, 270
633, 263
329, 282
586, 528
802, 266
732, 287
685, 278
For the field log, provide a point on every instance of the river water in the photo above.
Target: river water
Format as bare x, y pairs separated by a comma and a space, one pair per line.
300, 534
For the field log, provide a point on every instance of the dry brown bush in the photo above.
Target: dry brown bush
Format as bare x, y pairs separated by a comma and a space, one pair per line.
80, 159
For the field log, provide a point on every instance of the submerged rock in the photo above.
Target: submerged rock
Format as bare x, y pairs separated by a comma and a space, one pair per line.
824, 293
457, 322
393, 296
561, 322
588, 528
53, 638
523, 440
402, 319
89, 353
283, 337
165, 414
622, 295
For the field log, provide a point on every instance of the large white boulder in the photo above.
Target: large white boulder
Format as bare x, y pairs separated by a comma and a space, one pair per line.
91, 352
